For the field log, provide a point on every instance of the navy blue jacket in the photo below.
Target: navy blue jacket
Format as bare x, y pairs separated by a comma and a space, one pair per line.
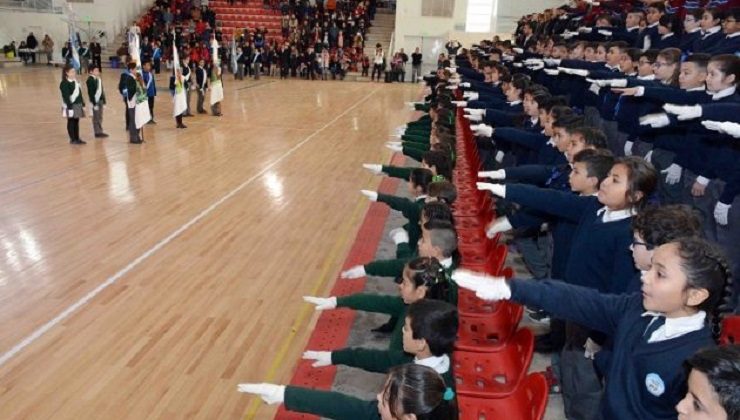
599, 257
634, 363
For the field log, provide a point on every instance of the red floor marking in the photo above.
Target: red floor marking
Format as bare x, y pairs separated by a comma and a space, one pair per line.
333, 327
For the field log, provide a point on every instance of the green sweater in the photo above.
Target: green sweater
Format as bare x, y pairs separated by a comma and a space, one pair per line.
411, 210
333, 405
92, 88
384, 304
371, 360
67, 87
416, 138
398, 172
386, 268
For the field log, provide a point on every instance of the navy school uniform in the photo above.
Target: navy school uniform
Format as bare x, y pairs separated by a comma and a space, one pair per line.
648, 37
503, 117
471, 74
600, 257
644, 380
688, 39
667, 41
707, 40
730, 44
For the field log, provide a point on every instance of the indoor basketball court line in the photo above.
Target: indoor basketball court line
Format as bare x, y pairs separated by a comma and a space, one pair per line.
41, 331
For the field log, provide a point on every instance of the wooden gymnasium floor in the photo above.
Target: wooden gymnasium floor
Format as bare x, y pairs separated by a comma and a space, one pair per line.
147, 281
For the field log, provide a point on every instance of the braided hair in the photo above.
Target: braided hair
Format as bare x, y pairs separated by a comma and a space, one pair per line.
706, 267
428, 272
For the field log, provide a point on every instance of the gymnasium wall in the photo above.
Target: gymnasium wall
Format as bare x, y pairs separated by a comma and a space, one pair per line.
111, 16
413, 29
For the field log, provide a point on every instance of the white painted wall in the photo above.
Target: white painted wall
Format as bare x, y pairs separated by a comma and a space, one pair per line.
410, 25
112, 16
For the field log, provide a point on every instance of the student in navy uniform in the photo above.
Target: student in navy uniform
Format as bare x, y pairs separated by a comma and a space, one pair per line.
151, 87
713, 391
97, 99
683, 297
129, 85
692, 29
73, 104
649, 36
410, 392
669, 31
711, 31
201, 85
599, 256
730, 44
122, 84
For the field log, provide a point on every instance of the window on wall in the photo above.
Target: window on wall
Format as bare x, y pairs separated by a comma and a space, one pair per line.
439, 8
478, 16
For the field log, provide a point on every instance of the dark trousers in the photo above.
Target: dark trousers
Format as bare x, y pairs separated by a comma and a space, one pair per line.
151, 106
133, 132
126, 114
178, 119
379, 69
157, 65
73, 128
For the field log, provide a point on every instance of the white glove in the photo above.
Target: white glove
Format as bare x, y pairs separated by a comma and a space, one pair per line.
394, 147
507, 57
552, 61
499, 156
672, 174
485, 287
451, 87
497, 189
322, 358
371, 195
471, 96
474, 111
400, 237
517, 65
497, 174
465, 84
683, 112
501, 224
412, 105
655, 120
536, 66
618, 83
628, 148
649, 157
604, 32
322, 304
460, 104
552, 72
483, 130
575, 72
354, 273
96, 107
270, 393
452, 70
472, 117
531, 61
518, 50
594, 88
590, 349
720, 212
569, 35
585, 30
373, 167
727, 127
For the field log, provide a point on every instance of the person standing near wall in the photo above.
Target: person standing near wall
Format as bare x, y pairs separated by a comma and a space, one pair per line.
97, 99
32, 44
97, 54
378, 62
48, 45
415, 65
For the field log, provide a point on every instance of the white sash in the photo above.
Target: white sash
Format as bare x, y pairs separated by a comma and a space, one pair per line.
99, 90
75, 93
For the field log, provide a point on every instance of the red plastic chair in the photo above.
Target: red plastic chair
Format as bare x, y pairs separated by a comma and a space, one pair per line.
494, 375
488, 332
730, 330
528, 402
492, 263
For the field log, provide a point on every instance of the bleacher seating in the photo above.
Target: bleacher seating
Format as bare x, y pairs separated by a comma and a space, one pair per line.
247, 14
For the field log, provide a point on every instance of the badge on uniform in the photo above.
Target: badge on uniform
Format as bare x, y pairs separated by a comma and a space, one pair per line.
654, 384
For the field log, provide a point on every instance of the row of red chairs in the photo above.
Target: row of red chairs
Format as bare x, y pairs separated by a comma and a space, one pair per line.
491, 357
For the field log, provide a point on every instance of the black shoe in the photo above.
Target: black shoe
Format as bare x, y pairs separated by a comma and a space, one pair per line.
182, 126
101, 135
218, 115
202, 112
188, 115
152, 122
386, 328
137, 142
76, 142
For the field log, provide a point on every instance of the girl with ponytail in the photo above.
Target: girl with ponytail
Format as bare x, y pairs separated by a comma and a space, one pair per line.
684, 295
410, 391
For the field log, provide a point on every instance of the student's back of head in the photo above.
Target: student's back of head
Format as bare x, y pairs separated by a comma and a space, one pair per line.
416, 390
434, 321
